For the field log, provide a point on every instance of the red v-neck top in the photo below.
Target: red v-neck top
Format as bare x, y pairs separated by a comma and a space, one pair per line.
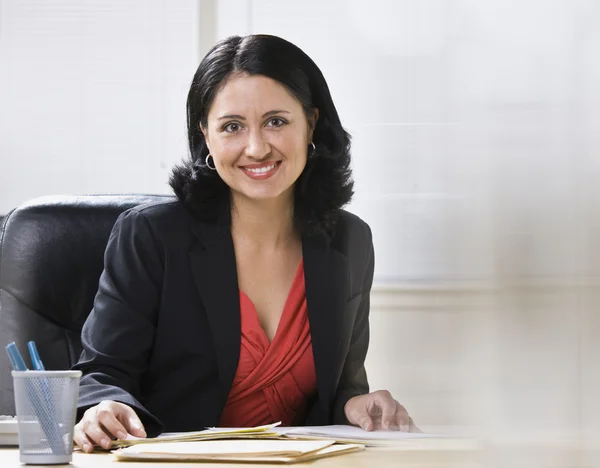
273, 379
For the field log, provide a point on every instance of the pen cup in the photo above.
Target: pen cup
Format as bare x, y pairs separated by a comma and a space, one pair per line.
46, 404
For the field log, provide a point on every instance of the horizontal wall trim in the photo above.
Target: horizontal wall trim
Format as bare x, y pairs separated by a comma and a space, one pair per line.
463, 296
461, 286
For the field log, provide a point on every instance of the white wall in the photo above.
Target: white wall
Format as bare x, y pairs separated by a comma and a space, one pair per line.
92, 95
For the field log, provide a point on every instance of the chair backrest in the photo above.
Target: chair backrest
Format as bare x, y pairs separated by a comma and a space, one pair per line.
51, 258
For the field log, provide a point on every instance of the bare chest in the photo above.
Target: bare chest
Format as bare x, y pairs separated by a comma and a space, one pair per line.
267, 281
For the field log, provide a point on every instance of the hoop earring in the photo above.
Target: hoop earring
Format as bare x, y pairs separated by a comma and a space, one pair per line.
312, 143
212, 168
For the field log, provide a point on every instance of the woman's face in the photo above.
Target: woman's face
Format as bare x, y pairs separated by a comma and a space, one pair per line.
258, 136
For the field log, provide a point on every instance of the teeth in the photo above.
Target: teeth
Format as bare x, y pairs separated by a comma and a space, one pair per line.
261, 170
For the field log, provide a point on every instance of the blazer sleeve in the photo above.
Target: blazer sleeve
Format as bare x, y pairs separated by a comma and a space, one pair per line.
118, 334
353, 380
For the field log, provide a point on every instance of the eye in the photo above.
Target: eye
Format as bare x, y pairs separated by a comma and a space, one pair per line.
276, 122
232, 127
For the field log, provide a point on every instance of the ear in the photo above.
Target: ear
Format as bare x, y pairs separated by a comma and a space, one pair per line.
312, 123
204, 131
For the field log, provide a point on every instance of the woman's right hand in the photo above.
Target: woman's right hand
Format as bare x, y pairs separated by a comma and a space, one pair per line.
105, 421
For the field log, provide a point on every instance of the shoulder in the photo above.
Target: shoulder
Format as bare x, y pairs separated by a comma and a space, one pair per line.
351, 229
162, 219
160, 211
353, 238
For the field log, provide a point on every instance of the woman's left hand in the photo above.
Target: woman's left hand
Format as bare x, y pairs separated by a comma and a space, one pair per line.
378, 410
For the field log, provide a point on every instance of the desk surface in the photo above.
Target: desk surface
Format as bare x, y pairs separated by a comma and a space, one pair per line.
379, 457
555, 454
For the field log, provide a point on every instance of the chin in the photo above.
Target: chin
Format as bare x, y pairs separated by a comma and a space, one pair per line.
264, 194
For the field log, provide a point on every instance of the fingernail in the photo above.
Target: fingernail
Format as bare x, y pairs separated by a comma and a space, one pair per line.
105, 443
87, 447
121, 435
385, 425
404, 428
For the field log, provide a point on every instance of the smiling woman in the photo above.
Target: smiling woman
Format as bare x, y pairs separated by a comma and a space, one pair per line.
246, 300
262, 81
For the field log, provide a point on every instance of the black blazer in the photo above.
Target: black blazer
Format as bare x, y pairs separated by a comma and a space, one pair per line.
164, 333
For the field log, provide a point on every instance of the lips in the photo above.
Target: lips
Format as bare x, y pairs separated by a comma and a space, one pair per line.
261, 171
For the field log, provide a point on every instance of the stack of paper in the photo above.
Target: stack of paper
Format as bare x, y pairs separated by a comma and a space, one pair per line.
208, 434
351, 434
250, 450
272, 444
400, 440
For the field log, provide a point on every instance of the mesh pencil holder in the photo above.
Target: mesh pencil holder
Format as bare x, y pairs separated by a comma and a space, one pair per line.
46, 404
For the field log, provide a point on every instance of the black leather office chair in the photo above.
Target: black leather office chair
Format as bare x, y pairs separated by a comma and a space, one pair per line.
51, 258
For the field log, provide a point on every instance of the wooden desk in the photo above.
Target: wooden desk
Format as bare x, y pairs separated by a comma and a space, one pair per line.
380, 457
540, 454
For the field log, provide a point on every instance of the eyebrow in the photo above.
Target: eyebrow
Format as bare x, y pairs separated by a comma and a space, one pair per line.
266, 114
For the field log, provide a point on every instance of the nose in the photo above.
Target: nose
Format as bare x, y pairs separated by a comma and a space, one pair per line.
257, 147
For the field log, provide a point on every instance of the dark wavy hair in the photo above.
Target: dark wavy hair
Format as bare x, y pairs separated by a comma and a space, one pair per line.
325, 184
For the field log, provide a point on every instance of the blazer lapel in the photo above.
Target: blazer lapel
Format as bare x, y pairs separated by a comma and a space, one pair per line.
214, 269
327, 279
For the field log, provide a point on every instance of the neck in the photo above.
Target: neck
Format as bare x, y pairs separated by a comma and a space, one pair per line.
263, 224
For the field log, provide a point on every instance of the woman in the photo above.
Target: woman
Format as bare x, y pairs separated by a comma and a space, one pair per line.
244, 301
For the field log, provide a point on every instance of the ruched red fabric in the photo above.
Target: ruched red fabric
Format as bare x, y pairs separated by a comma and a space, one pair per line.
273, 379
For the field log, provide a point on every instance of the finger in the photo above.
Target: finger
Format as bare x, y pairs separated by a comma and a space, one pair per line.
81, 440
402, 418
360, 417
106, 416
132, 422
388, 408
365, 422
96, 434
413, 427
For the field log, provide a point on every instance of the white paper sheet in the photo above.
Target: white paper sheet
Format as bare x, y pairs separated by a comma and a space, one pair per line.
353, 433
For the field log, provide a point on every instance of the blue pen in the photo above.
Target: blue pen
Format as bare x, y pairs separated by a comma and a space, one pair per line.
14, 364
35, 357
15, 357
39, 365
51, 429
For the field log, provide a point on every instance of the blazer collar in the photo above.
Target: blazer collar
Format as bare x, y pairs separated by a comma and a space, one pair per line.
214, 269
212, 232
327, 281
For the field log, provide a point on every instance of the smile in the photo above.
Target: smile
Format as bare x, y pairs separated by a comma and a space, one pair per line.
262, 171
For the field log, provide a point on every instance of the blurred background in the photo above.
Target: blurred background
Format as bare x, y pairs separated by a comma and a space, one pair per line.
476, 155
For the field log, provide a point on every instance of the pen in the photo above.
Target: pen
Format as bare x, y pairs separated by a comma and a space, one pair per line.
39, 365
15, 357
35, 357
